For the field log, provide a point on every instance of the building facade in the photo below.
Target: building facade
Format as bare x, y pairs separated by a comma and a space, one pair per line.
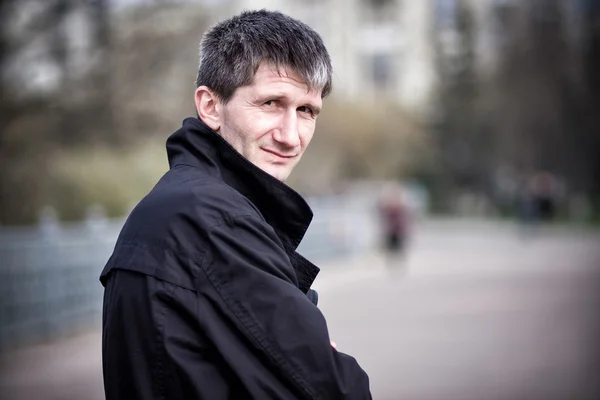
381, 49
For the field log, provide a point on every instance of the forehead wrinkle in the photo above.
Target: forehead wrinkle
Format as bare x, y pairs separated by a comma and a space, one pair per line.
286, 72
275, 86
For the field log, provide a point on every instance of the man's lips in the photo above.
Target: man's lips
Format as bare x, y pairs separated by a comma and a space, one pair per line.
278, 154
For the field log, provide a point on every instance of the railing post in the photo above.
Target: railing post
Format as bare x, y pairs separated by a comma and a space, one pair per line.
96, 221
48, 223
42, 268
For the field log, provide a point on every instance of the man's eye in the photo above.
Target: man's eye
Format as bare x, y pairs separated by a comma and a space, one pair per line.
305, 109
269, 103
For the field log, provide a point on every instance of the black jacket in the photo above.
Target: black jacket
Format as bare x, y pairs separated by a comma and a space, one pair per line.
206, 297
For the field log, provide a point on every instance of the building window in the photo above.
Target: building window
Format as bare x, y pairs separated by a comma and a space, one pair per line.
378, 11
381, 70
445, 13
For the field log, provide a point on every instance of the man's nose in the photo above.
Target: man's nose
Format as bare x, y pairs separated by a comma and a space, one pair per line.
288, 133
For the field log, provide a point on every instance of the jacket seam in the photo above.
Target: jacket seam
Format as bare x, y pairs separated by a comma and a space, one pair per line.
253, 328
232, 219
157, 245
227, 220
160, 359
187, 254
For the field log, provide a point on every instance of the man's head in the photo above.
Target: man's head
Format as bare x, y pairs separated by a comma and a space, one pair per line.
260, 85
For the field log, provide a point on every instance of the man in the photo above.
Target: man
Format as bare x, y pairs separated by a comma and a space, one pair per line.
206, 297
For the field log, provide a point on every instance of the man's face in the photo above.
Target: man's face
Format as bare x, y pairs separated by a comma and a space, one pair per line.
271, 121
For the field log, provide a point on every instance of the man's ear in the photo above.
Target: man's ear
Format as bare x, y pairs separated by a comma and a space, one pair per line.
208, 107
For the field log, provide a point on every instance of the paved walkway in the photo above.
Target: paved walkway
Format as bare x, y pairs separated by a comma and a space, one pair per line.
476, 312
71, 368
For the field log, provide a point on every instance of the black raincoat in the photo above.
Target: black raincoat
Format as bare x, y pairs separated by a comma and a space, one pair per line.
205, 295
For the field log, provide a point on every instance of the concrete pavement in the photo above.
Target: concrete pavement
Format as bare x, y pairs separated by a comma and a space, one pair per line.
475, 312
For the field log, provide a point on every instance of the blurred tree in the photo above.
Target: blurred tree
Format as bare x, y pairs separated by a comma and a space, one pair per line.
591, 129
533, 89
545, 91
462, 146
535, 111
83, 88
56, 93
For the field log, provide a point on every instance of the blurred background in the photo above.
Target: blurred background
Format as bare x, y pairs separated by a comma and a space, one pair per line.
454, 176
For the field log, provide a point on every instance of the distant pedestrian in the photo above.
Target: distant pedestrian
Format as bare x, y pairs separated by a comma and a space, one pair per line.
395, 220
537, 201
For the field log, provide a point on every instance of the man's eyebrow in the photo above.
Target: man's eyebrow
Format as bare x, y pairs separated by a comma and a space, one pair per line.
270, 96
282, 96
316, 109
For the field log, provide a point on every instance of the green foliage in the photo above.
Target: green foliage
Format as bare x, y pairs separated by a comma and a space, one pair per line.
113, 178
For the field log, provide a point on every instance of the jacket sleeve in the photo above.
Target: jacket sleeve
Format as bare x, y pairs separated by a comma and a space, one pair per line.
252, 282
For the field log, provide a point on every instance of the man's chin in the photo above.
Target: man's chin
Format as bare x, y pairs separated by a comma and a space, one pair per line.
278, 172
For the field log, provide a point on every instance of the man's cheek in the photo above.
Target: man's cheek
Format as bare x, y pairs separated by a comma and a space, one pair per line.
306, 139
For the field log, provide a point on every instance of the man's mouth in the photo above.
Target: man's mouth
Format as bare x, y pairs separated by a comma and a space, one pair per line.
275, 153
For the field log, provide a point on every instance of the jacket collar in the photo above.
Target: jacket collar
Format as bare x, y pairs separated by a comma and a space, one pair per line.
283, 208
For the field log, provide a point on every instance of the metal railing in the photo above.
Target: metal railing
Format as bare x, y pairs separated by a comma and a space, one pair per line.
49, 273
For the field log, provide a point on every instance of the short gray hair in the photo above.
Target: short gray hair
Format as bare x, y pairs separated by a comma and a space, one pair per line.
232, 50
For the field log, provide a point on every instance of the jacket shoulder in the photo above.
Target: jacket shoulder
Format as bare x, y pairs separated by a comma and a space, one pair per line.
186, 199
170, 225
